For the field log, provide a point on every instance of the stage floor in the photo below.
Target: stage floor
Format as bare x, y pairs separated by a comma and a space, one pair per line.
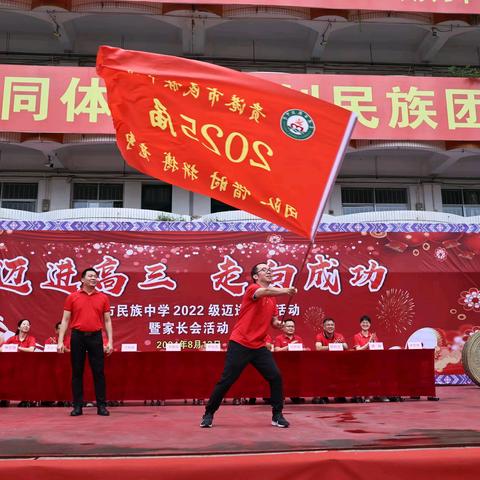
174, 429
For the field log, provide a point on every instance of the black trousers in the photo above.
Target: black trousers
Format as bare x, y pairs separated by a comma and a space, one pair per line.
82, 343
238, 357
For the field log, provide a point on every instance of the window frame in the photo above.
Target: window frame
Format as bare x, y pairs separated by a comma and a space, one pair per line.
33, 201
99, 203
375, 206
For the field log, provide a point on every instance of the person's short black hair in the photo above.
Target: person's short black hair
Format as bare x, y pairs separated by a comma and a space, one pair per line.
19, 323
254, 270
57, 325
289, 320
89, 269
365, 317
328, 319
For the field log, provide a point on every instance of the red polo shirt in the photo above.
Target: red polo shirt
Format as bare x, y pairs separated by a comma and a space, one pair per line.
29, 341
87, 310
282, 340
336, 338
54, 341
360, 340
254, 319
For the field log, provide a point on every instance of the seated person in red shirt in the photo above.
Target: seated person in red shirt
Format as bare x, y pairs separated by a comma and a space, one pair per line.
329, 335
322, 341
53, 340
288, 336
25, 341
282, 341
362, 339
269, 343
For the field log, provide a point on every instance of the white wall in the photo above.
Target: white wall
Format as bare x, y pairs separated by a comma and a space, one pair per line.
334, 205
180, 201
132, 195
60, 193
201, 205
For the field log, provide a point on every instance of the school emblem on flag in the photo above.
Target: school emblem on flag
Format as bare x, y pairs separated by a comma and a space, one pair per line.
297, 124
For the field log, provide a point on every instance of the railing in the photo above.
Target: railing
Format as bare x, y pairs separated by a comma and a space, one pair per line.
137, 214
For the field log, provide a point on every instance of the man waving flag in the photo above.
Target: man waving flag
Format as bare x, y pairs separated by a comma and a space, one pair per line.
245, 141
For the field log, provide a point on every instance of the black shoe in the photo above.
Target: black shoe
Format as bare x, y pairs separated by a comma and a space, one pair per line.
102, 411
76, 412
278, 420
207, 421
323, 400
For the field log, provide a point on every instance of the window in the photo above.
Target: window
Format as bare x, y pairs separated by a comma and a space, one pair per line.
217, 206
358, 200
98, 195
157, 197
19, 196
461, 201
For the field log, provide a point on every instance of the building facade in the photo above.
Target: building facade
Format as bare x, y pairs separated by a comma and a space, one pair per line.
417, 160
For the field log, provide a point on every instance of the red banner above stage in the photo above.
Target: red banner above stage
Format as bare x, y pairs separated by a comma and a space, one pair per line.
432, 6
73, 100
257, 146
187, 287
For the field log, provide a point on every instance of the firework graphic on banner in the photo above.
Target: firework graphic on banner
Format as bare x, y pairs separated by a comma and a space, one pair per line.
313, 317
396, 310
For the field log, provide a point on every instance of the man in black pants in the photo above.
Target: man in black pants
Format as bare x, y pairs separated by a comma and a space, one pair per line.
247, 344
87, 310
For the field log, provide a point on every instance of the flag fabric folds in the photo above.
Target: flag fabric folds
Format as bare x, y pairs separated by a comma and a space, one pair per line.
245, 141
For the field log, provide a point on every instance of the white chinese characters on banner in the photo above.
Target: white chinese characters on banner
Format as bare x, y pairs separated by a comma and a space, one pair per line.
13, 272
229, 271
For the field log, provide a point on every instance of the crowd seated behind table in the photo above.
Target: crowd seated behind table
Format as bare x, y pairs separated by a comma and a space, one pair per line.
361, 341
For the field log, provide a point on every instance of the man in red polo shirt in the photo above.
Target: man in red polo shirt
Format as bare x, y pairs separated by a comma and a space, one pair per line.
328, 336
282, 341
248, 344
322, 341
53, 340
87, 310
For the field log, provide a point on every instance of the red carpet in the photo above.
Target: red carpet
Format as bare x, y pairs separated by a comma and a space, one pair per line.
400, 440
445, 464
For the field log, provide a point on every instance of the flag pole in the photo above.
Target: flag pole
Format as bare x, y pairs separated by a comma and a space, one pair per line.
307, 253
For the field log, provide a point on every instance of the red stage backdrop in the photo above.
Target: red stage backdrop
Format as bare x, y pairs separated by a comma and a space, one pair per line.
187, 287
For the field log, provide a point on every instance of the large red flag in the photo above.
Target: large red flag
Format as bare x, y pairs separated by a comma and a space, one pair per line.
245, 141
